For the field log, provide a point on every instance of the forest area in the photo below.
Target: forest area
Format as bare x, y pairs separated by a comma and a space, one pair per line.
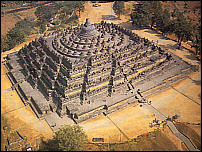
54, 16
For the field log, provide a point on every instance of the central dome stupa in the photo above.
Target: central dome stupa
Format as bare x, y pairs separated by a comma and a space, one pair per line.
88, 30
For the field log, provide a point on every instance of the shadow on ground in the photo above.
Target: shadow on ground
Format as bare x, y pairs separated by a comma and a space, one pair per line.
127, 25
157, 34
197, 82
109, 17
170, 46
191, 57
199, 95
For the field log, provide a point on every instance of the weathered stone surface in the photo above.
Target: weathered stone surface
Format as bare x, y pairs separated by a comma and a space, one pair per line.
86, 66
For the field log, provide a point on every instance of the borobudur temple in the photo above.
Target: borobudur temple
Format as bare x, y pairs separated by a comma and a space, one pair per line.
76, 70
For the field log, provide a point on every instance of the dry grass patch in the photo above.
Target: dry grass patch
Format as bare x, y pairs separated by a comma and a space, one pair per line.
153, 141
27, 13
187, 130
7, 22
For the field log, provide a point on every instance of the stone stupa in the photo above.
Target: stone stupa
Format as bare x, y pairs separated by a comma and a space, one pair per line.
80, 70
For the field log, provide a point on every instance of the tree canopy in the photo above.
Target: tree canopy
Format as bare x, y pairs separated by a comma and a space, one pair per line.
141, 14
17, 34
164, 23
147, 13
12, 38
182, 28
196, 39
118, 7
60, 11
67, 138
27, 24
155, 11
46, 12
42, 28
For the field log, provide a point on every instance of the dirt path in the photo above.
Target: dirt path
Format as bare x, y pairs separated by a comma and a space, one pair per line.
186, 140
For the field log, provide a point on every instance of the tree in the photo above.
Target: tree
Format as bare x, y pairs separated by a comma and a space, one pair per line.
164, 23
155, 12
140, 15
175, 13
146, 13
12, 38
17, 34
182, 28
4, 43
46, 12
80, 6
27, 25
67, 7
70, 8
118, 7
42, 28
73, 6
67, 138
196, 39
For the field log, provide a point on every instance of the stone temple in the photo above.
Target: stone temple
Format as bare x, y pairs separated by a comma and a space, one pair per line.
74, 71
